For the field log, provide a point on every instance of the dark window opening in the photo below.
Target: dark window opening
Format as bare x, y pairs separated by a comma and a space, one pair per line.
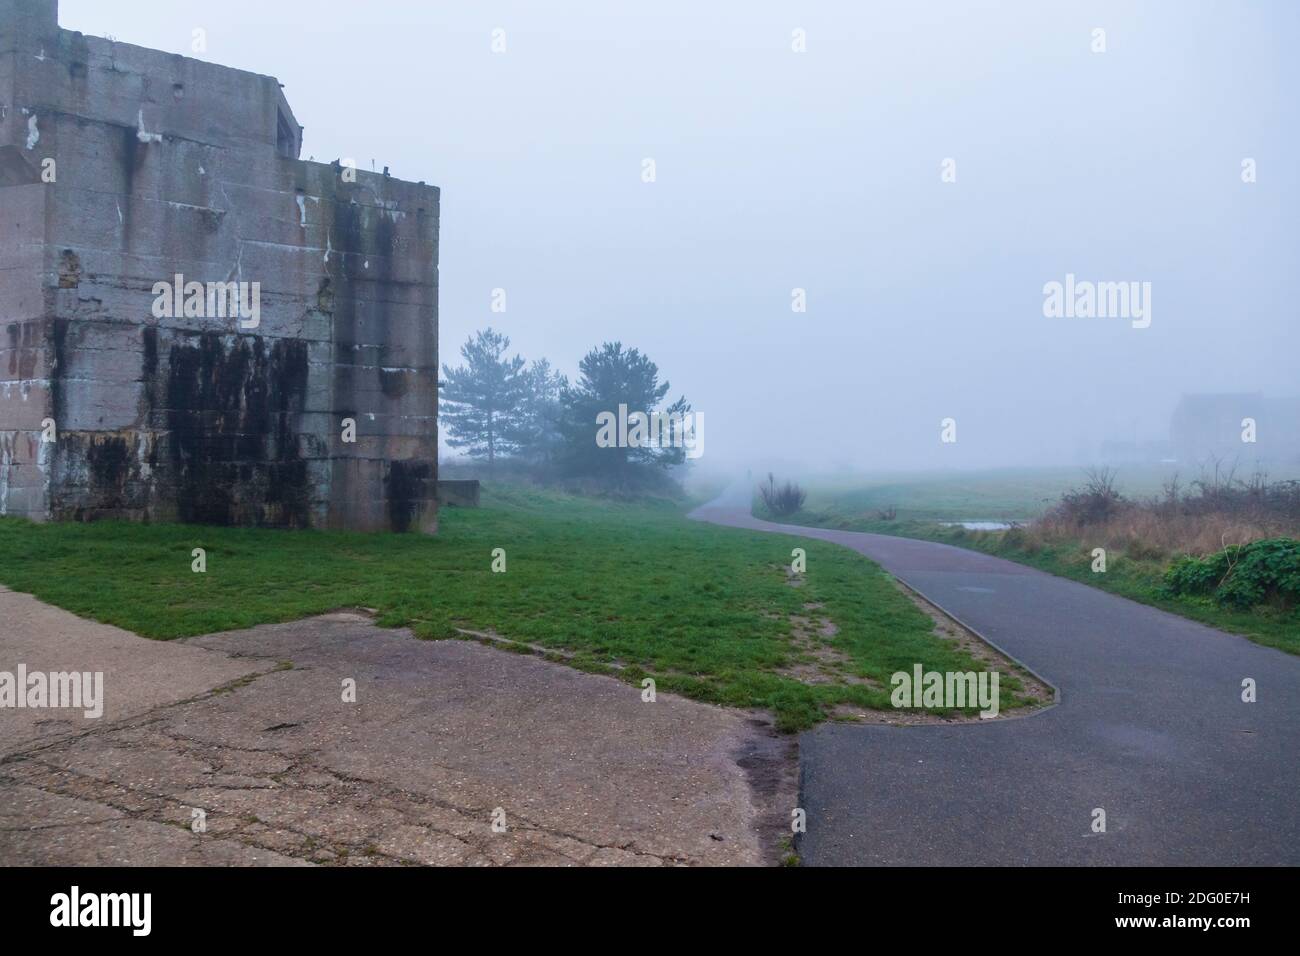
286, 140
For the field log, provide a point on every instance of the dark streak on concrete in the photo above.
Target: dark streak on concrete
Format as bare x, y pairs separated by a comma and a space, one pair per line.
232, 413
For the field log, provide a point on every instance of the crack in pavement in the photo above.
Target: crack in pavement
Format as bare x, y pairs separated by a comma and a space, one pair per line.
36, 768
446, 735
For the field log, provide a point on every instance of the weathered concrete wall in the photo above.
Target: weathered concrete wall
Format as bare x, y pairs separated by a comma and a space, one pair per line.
459, 493
166, 166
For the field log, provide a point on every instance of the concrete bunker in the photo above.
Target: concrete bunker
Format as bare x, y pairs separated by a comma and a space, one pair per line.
122, 167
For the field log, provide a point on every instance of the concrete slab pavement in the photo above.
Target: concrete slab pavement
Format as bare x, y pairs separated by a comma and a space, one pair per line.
251, 728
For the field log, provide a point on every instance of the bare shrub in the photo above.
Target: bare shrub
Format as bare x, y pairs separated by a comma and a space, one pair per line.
1214, 512
887, 514
782, 500
1097, 502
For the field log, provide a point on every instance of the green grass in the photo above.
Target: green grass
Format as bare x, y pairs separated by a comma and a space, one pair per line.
1002, 494
926, 501
634, 590
995, 496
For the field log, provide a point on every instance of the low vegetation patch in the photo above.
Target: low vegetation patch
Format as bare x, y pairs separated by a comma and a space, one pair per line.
1263, 572
1215, 512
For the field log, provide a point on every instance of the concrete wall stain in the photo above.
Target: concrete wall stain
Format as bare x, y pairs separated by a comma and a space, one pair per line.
408, 483
232, 416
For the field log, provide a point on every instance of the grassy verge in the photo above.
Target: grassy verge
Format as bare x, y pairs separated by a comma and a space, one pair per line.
1001, 494
634, 590
1139, 579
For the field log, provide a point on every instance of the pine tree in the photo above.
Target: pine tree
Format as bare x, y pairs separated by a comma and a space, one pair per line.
610, 376
539, 433
482, 402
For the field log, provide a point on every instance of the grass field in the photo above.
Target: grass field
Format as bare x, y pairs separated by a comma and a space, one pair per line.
925, 501
1003, 494
634, 590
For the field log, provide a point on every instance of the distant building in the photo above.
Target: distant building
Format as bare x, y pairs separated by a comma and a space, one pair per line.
1206, 425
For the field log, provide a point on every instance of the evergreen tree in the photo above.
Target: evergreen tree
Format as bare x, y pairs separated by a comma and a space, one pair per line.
481, 402
610, 376
539, 432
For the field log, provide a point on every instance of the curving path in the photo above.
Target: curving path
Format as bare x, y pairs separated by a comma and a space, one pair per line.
1150, 727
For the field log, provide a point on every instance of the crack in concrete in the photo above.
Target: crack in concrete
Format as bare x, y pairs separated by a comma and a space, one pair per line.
366, 798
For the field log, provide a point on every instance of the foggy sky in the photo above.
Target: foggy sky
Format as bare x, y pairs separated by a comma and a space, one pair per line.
821, 170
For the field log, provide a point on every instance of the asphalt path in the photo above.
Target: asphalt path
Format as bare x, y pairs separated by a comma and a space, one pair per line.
1150, 728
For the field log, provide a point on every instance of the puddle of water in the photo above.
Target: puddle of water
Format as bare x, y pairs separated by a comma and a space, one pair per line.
980, 525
